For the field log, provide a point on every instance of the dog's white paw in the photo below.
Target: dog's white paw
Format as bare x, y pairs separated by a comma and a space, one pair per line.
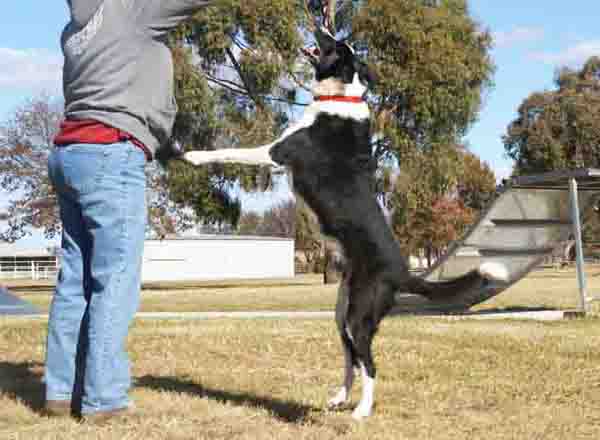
362, 411
198, 157
494, 271
339, 399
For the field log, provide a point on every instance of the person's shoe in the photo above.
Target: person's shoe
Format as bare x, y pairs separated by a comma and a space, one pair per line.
102, 417
57, 408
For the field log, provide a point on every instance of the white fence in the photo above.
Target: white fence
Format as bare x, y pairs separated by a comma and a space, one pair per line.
29, 268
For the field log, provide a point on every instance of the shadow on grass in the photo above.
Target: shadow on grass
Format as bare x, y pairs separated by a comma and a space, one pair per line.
510, 309
23, 382
432, 311
286, 411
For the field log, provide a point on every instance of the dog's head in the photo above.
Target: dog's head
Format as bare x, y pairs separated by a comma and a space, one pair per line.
337, 60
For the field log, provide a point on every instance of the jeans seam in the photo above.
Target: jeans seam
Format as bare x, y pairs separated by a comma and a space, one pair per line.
108, 324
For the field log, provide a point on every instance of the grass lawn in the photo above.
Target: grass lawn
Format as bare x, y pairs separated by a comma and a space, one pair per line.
270, 379
541, 289
305, 292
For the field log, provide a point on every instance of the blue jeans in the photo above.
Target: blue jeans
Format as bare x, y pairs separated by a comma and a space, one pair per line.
101, 195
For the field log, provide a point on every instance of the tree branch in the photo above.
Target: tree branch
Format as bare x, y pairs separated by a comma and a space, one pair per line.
238, 68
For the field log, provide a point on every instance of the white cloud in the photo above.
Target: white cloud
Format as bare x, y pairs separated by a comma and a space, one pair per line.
573, 55
30, 70
517, 35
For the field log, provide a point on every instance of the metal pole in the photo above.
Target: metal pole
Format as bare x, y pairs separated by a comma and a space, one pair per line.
583, 304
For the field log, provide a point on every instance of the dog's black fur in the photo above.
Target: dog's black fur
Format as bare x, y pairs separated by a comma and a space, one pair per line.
333, 171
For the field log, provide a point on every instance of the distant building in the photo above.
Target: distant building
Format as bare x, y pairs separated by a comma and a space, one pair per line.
214, 257
209, 257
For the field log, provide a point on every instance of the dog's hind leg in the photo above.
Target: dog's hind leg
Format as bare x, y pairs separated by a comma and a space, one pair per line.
368, 307
362, 330
343, 395
341, 312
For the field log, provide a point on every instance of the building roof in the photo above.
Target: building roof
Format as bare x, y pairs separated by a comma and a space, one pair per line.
209, 237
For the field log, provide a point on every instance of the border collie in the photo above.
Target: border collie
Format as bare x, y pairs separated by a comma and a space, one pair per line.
328, 152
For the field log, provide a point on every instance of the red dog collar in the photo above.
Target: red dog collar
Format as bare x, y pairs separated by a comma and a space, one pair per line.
340, 98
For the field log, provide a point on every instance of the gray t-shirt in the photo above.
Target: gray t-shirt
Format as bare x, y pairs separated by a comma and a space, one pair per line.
118, 69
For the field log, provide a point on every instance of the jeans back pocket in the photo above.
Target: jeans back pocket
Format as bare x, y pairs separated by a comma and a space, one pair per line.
79, 167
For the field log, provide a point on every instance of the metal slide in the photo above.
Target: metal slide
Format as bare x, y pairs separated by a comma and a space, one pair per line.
528, 220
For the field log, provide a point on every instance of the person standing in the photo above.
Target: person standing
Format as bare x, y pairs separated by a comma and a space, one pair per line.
119, 110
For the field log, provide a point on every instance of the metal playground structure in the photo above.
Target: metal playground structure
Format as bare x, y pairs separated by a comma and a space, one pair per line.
528, 220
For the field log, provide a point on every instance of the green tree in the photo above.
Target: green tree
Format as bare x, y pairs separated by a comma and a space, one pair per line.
559, 128
477, 183
433, 65
237, 78
436, 196
432, 59
240, 78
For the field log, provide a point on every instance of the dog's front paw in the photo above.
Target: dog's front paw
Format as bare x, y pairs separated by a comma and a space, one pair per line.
198, 157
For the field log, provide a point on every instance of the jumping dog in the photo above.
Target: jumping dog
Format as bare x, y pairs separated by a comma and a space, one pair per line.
328, 152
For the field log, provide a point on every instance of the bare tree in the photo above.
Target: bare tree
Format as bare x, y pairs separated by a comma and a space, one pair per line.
280, 220
25, 142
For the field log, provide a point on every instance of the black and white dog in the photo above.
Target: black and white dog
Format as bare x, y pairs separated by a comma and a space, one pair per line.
328, 152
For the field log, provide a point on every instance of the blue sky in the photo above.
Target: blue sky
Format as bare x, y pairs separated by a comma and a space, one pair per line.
532, 39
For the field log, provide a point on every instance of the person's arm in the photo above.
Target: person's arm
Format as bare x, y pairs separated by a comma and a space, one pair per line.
160, 16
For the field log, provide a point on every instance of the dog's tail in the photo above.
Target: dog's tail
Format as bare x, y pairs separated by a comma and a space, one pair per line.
475, 279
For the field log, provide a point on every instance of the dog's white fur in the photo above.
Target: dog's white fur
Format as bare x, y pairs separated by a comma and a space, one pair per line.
365, 406
494, 271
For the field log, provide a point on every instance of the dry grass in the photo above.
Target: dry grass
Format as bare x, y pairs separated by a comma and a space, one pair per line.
305, 292
269, 379
548, 289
